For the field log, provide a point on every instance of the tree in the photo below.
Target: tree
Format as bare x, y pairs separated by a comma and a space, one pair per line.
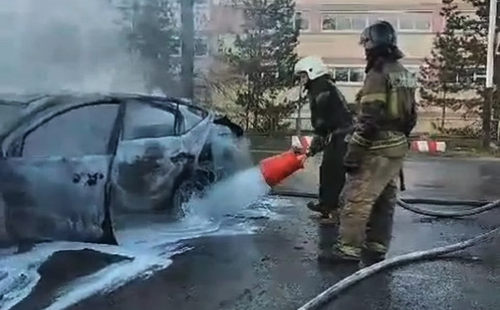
264, 53
476, 46
153, 34
441, 75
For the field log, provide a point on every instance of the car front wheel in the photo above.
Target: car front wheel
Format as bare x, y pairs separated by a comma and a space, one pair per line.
194, 186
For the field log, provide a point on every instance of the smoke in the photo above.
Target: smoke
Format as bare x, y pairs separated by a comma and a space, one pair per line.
65, 45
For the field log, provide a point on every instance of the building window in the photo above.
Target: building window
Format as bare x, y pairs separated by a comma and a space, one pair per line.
176, 48
201, 12
341, 22
423, 23
201, 17
357, 22
356, 75
406, 24
349, 74
392, 19
201, 47
341, 74
269, 74
415, 22
469, 76
328, 22
302, 19
176, 69
480, 76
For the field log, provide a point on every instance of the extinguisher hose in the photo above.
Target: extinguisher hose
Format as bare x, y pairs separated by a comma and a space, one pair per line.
411, 205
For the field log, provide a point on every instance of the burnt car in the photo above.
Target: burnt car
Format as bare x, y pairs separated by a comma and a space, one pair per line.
70, 163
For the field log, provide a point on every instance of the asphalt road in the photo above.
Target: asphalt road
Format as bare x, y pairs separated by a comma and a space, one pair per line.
277, 269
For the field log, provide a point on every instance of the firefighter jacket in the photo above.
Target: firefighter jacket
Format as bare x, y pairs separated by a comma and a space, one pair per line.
387, 112
329, 109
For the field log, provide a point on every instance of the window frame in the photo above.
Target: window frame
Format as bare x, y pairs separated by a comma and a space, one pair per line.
13, 136
178, 52
322, 20
473, 77
361, 67
201, 9
173, 104
205, 39
412, 15
20, 137
302, 12
477, 76
333, 68
396, 16
154, 104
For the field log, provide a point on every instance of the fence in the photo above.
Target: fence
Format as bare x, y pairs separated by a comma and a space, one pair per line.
466, 127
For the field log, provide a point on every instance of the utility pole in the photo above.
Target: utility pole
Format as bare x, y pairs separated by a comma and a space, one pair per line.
187, 48
490, 87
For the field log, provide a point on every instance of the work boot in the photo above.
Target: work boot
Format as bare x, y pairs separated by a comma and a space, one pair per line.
331, 219
372, 258
367, 262
340, 254
319, 208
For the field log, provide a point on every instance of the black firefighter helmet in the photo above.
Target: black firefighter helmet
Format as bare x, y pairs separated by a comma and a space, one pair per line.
379, 34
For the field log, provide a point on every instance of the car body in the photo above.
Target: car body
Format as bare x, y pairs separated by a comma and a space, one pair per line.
72, 162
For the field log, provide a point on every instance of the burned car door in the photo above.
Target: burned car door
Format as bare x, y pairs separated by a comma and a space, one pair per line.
53, 181
154, 152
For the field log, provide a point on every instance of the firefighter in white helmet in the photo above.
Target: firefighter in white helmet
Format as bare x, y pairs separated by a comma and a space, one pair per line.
331, 120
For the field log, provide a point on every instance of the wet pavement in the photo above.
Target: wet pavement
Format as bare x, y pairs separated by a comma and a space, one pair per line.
277, 269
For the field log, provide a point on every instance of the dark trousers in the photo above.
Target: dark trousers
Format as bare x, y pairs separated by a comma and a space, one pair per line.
332, 173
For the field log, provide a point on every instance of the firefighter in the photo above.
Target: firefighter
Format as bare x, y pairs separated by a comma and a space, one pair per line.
376, 151
330, 117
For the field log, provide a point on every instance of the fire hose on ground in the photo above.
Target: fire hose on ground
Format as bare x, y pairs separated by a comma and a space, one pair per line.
278, 168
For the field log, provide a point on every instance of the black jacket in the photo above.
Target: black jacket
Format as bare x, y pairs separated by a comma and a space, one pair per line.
329, 109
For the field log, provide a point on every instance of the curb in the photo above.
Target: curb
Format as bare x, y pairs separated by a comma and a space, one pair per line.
420, 146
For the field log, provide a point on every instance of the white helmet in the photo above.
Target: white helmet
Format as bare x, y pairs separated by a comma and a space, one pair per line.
313, 66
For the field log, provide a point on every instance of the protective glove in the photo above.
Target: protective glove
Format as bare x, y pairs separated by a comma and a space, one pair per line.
297, 150
317, 145
353, 158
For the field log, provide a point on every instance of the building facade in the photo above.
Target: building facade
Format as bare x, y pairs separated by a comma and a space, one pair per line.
331, 30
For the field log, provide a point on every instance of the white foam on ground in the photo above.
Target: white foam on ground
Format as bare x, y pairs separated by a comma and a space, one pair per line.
230, 196
22, 275
110, 278
150, 247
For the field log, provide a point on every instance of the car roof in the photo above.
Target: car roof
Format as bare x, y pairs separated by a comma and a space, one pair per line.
18, 100
30, 102
33, 104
